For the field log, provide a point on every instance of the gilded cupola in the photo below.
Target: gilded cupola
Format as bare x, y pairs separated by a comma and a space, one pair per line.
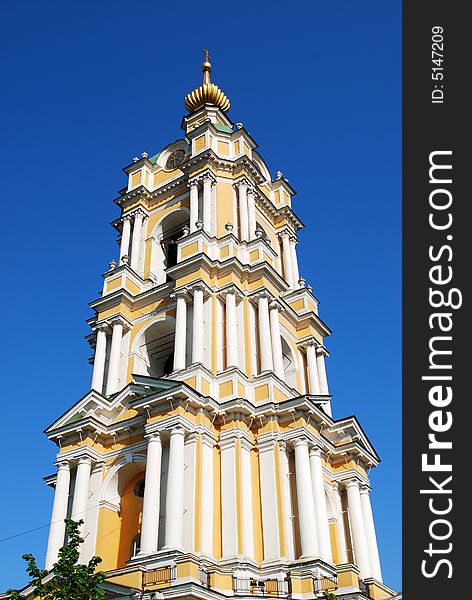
207, 93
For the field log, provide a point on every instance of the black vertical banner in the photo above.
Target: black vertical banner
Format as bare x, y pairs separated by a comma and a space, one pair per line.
437, 252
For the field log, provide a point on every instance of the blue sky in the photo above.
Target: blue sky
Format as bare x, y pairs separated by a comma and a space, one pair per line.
88, 85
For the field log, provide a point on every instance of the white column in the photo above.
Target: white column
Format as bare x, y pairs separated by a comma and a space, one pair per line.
321, 352
306, 513
180, 337
246, 495
229, 522
287, 258
356, 521
175, 490
321, 513
99, 357
231, 331
206, 545
270, 523
197, 326
340, 518
81, 489
370, 533
277, 357
88, 549
313, 380
57, 527
193, 185
152, 486
207, 183
295, 270
115, 356
243, 212
235, 213
125, 237
251, 212
287, 496
136, 239
265, 345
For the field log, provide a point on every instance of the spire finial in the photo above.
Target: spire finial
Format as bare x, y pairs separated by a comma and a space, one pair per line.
206, 67
208, 92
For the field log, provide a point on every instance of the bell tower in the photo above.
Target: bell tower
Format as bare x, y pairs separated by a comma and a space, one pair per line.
205, 457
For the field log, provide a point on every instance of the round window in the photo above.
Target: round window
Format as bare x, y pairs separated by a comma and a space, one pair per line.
175, 159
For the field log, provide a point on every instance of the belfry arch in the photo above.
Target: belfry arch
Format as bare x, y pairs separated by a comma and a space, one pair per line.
164, 242
153, 349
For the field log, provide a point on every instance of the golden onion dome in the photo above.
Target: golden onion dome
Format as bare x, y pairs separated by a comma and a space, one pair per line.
207, 93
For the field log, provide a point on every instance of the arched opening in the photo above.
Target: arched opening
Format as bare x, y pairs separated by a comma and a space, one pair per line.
165, 239
263, 233
290, 366
155, 349
135, 546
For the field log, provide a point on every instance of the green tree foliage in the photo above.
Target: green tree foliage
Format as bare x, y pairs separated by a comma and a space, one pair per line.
71, 581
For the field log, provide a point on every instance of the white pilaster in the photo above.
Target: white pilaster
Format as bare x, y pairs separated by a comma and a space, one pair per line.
265, 345
321, 514
207, 183
99, 357
277, 356
321, 352
197, 326
152, 486
175, 490
287, 258
81, 489
356, 521
340, 519
59, 513
369, 525
115, 356
246, 494
270, 523
251, 211
125, 237
243, 212
180, 337
231, 330
193, 185
313, 380
295, 270
88, 549
229, 523
206, 545
136, 239
287, 498
306, 512
188, 519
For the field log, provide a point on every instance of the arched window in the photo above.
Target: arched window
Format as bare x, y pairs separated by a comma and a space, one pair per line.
154, 349
165, 243
135, 546
290, 366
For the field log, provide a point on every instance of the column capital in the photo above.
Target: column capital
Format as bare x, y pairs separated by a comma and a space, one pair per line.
365, 488
199, 285
207, 439
285, 233
138, 212
231, 289
300, 441
177, 430
321, 350
350, 483
242, 183
207, 176
120, 320
256, 296
182, 293
275, 304
316, 451
62, 465
303, 344
193, 183
154, 437
84, 460
102, 326
126, 217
